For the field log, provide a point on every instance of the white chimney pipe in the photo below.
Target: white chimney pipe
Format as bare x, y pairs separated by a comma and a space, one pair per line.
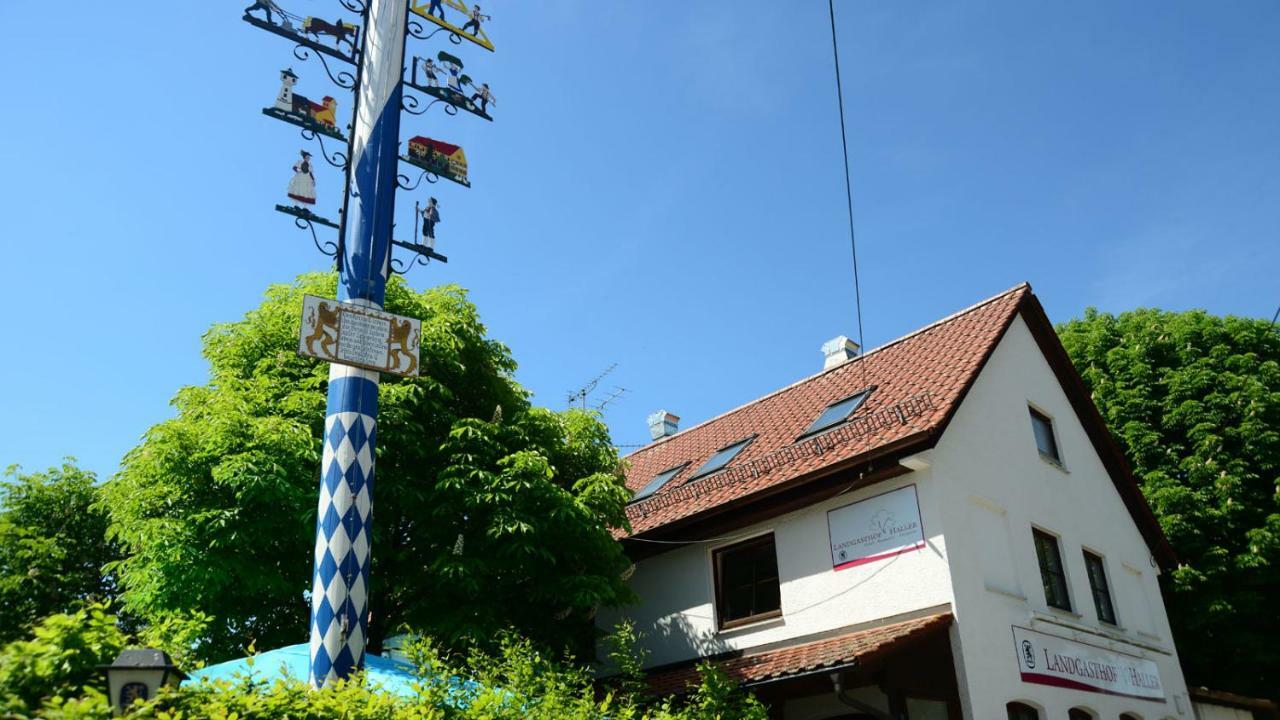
663, 424
837, 351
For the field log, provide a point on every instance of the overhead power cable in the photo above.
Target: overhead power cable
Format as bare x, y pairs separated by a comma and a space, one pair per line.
848, 182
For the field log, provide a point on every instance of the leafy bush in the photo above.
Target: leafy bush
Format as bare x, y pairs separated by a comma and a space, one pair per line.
54, 676
57, 668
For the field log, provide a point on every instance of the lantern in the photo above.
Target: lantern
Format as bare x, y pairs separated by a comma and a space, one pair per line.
139, 675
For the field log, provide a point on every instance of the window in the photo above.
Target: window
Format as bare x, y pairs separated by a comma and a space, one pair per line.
746, 579
1042, 426
1079, 714
1021, 711
837, 412
657, 482
1052, 572
1130, 716
722, 457
1098, 585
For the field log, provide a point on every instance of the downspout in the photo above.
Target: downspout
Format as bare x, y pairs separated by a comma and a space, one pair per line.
842, 695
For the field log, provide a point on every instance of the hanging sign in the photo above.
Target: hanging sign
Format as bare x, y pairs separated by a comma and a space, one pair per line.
1051, 660
876, 528
360, 336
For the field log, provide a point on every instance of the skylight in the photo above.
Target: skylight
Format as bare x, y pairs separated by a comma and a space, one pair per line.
837, 413
722, 457
657, 482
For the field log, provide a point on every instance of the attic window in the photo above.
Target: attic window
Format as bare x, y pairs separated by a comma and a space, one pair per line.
657, 482
837, 412
722, 457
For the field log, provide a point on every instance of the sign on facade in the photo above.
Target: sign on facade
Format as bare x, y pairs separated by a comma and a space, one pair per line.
876, 528
1050, 660
359, 336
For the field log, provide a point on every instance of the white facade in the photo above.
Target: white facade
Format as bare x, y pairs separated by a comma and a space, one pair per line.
981, 491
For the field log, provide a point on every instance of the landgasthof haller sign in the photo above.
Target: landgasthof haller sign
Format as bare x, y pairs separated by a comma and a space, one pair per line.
1051, 660
876, 528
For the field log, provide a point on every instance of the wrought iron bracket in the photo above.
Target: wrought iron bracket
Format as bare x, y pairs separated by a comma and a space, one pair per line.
343, 79
423, 255
402, 180
409, 103
307, 220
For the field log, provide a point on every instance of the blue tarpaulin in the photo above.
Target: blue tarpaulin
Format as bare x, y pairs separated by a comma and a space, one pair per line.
292, 662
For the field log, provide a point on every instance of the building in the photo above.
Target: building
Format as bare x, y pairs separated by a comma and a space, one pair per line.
940, 528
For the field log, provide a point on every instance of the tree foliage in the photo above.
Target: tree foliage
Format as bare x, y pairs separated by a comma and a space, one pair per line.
52, 545
1194, 400
488, 512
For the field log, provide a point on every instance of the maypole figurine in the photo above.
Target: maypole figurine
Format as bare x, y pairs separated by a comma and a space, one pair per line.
483, 96
472, 29
268, 6
438, 158
430, 69
474, 21
302, 188
295, 109
302, 193
453, 92
310, 30
430, 216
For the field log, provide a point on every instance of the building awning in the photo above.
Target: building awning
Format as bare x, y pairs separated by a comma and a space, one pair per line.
859, 647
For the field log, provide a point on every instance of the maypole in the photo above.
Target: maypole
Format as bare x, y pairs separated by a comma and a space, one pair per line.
354, 334
340, 586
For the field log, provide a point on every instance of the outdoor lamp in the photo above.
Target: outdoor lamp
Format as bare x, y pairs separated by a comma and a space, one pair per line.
139, 675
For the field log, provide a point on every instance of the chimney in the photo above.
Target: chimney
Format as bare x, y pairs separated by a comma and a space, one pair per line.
663, 424
837, 351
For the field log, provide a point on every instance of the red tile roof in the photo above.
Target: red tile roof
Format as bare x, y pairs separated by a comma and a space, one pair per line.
863, 646
919, 380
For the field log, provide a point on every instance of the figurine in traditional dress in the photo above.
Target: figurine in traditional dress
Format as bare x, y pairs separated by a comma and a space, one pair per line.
474, 22
302, 188
435, 5
483, 96
430, 68
455, 72
430, 216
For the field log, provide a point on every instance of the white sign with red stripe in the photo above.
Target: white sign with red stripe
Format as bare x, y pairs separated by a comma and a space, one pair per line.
876, 528
1051, 660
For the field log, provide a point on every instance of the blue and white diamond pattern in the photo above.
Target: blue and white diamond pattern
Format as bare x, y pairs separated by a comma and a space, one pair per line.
339, 591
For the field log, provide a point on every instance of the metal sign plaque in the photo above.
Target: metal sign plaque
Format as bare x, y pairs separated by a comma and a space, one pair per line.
359, 336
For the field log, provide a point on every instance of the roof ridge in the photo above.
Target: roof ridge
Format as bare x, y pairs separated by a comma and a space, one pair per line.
824, 371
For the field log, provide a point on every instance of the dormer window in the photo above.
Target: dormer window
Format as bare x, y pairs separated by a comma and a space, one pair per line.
723, 457
658, 481
837, 412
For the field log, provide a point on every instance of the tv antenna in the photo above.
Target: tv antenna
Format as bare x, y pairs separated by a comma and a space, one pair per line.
580, 395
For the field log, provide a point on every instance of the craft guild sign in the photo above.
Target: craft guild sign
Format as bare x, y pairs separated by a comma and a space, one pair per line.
875, 528
1050, 660
359, 336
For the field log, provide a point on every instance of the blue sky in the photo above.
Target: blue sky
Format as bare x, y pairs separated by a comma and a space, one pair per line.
662, 188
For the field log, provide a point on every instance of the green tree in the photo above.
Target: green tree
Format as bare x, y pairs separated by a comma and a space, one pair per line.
1194, 400
52, 545
489, 513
